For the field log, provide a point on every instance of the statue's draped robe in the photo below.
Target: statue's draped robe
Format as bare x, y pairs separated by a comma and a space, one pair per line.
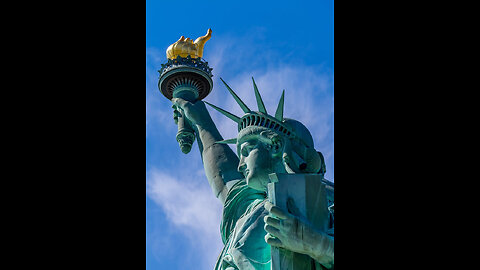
243, 232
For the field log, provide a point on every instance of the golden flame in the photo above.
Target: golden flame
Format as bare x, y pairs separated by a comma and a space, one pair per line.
185, 47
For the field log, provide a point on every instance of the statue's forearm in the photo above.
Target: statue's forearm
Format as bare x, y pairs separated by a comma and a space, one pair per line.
219, 161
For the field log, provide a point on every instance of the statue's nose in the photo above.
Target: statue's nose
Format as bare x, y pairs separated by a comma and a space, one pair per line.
241, 165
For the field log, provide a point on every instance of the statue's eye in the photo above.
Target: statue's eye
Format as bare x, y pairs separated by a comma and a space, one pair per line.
246, 150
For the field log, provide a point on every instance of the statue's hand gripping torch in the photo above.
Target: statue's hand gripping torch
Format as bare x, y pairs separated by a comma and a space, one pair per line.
185, 134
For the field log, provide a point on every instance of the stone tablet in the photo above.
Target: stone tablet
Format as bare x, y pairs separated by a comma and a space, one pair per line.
309, 197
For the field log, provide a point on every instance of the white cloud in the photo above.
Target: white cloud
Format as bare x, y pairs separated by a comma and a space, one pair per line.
191, 206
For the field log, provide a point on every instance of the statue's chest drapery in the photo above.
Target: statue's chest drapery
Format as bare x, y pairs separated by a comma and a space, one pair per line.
245, 247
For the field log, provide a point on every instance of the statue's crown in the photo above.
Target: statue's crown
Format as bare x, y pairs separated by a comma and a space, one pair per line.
260, 118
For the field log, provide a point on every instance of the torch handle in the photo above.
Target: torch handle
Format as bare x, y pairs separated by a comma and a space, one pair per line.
185, 134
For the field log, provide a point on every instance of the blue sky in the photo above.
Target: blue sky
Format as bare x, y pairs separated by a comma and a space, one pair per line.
283, 45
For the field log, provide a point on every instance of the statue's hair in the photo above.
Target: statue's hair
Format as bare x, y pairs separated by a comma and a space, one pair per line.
267, 136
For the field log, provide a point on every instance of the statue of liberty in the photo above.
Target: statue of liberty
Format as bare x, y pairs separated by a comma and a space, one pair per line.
265, 144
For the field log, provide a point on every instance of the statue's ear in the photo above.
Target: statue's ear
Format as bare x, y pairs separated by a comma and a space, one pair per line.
277, 146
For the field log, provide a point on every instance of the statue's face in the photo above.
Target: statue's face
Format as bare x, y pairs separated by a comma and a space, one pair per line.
256, 163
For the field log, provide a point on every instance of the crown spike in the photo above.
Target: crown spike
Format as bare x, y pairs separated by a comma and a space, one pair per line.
229, 141
261, 106
279, 112
237, 99
227, 114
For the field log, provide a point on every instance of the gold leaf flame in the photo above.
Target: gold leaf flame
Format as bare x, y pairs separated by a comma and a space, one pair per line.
185, 47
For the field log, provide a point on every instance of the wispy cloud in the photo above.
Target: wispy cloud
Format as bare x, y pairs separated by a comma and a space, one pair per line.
192, 208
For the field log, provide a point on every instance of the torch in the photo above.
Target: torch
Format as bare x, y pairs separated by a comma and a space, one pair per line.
186, 75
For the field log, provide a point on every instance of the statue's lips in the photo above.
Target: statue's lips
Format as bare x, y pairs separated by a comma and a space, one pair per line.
245, 173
